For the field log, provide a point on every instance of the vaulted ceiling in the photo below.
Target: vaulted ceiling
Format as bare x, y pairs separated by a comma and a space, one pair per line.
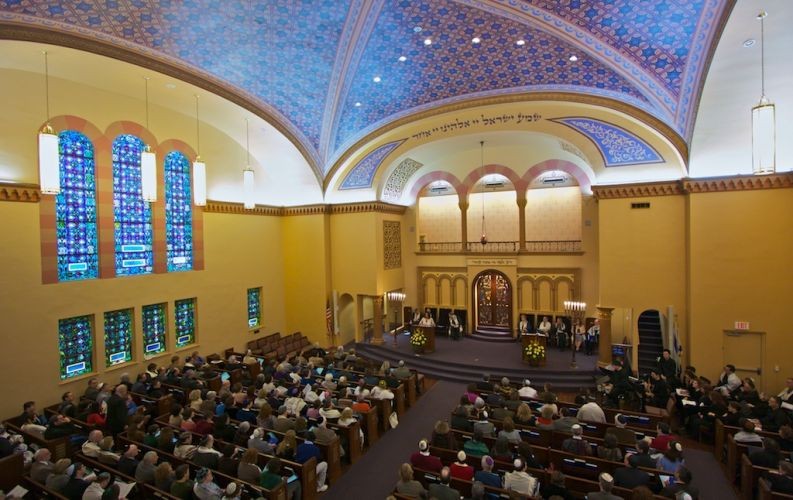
329, 73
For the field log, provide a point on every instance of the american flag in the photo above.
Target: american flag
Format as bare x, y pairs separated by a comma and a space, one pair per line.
329, 318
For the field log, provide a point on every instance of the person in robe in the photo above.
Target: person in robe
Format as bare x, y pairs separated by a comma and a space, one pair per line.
455, 328
427, 321
523, 325
544, 328
561, 333
592, 337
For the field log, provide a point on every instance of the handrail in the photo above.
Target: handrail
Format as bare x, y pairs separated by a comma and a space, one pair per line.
475, 247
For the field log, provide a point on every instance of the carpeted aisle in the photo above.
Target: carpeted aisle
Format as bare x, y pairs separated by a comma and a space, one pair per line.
375, 475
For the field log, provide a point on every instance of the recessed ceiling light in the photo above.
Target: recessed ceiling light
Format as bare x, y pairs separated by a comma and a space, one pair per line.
357, 104
521, 42
428, 41
170, 85
573, 58
376, 79
402, 58
749, 42
417, 29
476, 39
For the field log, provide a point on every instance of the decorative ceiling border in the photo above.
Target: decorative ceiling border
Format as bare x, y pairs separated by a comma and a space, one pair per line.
362, 174
594, 100
30, 193
225, 207
695, 186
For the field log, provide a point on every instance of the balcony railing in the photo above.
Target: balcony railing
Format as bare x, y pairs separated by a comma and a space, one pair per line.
559, 246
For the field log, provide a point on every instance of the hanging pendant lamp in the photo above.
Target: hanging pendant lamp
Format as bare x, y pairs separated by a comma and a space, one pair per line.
148, 161
483, 239
763, 119
49, 156
199, 167
248, 179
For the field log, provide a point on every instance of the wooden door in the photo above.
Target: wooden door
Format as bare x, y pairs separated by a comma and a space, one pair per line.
494, 300
745, 350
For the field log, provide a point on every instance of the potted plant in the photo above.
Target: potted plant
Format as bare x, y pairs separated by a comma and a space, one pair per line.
418, 340
534, 353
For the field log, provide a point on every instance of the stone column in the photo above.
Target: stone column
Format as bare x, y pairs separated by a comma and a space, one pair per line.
377, 322
522, 221
464, 224
604, 347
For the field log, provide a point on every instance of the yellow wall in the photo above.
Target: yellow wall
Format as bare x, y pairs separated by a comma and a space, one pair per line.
741, 270
30, 311
643, 257
307, 275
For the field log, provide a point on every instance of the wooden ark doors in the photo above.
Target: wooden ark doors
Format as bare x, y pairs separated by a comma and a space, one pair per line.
493, 299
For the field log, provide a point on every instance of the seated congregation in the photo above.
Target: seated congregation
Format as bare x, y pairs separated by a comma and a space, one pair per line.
279, 425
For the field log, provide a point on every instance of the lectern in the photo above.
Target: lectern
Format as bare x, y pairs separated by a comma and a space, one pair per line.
429, 332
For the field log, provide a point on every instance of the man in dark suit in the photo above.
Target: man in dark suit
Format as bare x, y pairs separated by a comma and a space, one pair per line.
484, 384
768, 456
776, 417
782, 482
442, 490
643, 457
117, 410
632, 477
129, 461
682, 484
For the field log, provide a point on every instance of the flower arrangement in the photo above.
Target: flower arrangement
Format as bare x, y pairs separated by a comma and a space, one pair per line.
418, 340
534, 351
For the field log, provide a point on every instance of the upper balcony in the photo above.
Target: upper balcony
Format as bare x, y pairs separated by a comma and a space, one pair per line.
571, 247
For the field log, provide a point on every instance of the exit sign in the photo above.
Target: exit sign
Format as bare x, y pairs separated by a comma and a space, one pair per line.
741, 325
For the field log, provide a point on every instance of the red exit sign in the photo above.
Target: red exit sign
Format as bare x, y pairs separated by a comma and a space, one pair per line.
741, 325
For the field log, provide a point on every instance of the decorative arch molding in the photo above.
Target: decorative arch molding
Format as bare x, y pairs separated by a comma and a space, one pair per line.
121, 127
70, 122
439, 175
470, 181
31, 29
581, 176
169, 145
464, 301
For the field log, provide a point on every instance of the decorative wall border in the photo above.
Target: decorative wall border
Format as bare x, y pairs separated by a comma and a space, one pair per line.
225, 207
689, 186
30, 193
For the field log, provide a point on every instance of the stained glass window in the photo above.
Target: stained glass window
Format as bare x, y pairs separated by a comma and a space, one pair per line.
154, 328
178, 212
185, 322
132, 215
76, 346
254, 307
118, 337
75, 209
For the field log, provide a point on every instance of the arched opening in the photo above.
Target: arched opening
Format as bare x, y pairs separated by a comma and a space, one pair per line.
439, 221
346, 318
493, 214
492, 303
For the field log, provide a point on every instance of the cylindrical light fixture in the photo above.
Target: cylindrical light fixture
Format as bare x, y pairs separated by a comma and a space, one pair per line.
248, 184
148, 162
763, 119
49, 156
199, 167
248, 179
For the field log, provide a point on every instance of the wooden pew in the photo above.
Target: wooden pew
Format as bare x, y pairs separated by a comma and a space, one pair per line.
32, 485
144, 490
765, 492
59, 447
12, 469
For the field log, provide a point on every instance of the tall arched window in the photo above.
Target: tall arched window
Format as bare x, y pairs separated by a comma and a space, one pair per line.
131, 214
75, 209
178, 212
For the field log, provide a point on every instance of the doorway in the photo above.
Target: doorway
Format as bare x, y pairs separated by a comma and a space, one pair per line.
493, 300
746, 350
346, 319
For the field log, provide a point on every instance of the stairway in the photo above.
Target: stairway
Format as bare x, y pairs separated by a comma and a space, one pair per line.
567, 380
651, 340
492, 334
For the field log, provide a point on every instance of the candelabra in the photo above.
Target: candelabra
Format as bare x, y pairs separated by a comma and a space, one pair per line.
577, 312
395, 298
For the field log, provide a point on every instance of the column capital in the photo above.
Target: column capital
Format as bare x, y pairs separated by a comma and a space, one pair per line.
463, 204
604, 312
521, 200
378, 299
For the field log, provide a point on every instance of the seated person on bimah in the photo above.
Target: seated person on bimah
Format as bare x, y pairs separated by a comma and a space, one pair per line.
544, 328
523, 325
